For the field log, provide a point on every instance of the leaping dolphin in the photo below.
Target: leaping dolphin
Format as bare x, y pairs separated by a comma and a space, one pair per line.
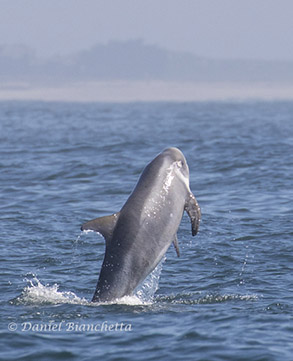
139, 235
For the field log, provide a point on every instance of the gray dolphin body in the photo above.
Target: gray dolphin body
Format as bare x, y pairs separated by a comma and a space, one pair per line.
139, 235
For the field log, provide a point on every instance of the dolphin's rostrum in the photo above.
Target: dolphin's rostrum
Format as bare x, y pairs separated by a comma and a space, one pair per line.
139, 235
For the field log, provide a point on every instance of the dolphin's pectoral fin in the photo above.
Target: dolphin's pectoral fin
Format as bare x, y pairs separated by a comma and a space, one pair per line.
193, 210
176, 245
104, 225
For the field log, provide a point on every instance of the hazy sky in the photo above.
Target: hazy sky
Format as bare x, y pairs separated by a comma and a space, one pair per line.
216, 28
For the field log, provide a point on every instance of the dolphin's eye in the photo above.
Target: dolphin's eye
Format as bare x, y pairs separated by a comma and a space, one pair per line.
179, 163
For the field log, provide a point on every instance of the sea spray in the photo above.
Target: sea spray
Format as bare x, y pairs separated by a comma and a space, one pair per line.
146, 291
37, 293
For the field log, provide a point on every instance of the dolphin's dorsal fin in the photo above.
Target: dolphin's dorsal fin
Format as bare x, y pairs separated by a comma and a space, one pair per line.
103, 225
176, 245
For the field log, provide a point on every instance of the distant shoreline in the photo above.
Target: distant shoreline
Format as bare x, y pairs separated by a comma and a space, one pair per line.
147, 91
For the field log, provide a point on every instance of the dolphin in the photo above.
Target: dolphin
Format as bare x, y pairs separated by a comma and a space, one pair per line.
139, 235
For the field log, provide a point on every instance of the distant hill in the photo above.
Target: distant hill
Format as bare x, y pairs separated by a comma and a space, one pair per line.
136, 61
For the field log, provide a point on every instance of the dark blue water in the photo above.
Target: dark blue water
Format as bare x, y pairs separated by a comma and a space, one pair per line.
230, 294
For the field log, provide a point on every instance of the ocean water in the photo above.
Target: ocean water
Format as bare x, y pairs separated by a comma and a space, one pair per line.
230, 294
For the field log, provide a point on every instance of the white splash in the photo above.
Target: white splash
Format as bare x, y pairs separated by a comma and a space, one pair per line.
37, 293
126, 300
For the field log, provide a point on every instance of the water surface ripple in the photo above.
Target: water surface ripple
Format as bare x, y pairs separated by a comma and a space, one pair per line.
229, 295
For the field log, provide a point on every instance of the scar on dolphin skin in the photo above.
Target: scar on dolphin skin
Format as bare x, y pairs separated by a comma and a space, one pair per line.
138, 236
